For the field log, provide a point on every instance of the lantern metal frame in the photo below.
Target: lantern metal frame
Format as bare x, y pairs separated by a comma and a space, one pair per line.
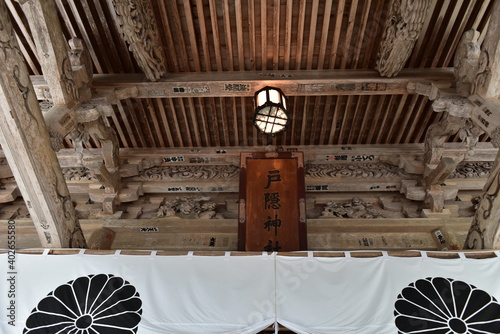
270, 111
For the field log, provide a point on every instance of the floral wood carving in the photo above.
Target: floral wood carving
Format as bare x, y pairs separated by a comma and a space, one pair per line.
137, 24
362, 170
402, 28
188, 172
354, 209
196, 207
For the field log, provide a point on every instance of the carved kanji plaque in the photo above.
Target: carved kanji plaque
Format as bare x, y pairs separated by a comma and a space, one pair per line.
272, 205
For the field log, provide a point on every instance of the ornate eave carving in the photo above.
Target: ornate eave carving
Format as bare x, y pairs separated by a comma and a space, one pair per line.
402, 29
136, 21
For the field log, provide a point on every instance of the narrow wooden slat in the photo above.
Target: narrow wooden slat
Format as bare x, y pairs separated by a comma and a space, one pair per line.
187, 124
397, 116
175, 121
87, 13
312, 34
304, 124
251, 34
295, 103
156, 124
227, 34
481, 13
192, 35
288, 34
276, 34
28, 57
120, 44
324, 118
333, 127
387, 113
239, 35
165, 122
214, 121
236, 133
110, 45
135, 122
361, 34
243, 121
128, 127
315, 120
415, 119
374, 34
450, 26
336, 35
143, 122
324, 35
19, 22
367, 120
450, 53
177, 51
345, 116
204, 122
348, 34
423, 39
225, 128
355, 134
300, 34
375, 125
429, 114
215, 34
172, 61
433, 40
203, 34
85, 35
119, 129
405, 120
263, 33
421, 116
194, 122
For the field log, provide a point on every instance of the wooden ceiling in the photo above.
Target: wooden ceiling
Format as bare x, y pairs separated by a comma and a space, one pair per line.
272, 39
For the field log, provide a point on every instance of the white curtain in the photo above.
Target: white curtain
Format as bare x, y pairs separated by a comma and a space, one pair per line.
89, 294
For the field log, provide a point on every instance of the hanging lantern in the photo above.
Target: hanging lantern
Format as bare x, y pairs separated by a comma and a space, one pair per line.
270, 111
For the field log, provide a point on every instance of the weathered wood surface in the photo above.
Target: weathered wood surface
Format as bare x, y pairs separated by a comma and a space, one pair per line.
218, 84
221, 234
25, 141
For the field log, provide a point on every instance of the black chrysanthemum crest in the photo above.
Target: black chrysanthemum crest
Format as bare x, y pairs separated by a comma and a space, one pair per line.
94, 304
446, 306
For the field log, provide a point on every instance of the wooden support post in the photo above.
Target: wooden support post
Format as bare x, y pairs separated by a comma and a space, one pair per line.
25, 141
484, 232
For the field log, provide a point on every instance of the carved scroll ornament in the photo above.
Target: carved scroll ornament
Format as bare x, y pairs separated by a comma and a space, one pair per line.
136, 20
402, 28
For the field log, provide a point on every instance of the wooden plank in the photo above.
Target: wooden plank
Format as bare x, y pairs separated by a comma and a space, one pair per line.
336, 35
203, 34
300, 35
288, 34
293, 83
192, 36
276, 34
312, 34
348, 35
324, 34
227, 34
239, 35
216, 35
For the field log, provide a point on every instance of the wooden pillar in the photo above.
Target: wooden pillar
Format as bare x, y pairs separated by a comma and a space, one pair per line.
25, 141
485, 229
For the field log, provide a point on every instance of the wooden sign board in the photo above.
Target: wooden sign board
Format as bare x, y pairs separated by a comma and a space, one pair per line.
272, 207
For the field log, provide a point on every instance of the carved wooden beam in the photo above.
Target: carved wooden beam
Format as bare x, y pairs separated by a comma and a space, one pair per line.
293, 83
485, 229
484, 232
402, 28
137, 23
25, 141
